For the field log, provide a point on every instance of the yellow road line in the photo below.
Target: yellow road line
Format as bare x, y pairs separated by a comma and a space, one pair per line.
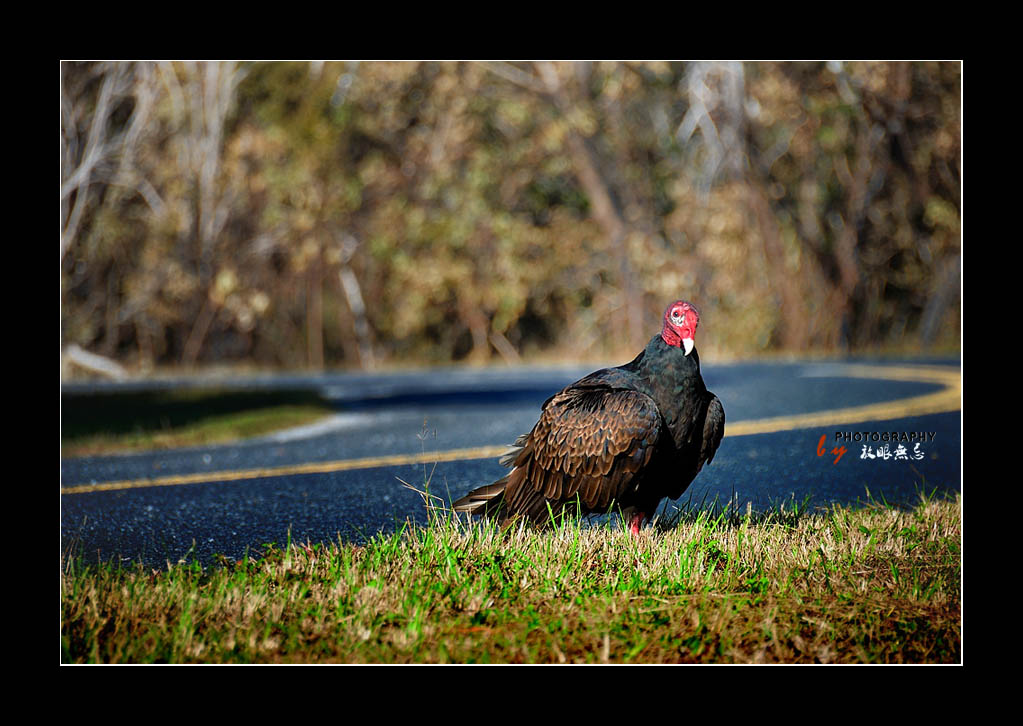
945, 400
326, 467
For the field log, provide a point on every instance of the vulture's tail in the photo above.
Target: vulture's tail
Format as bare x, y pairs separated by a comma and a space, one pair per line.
488, 500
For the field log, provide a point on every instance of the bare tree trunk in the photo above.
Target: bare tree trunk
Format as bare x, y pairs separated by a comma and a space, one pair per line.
603, 206
193, 345
110, 336
356, 303
209, 95
314, 314
103, 156
77, 168
202, 108
715, 92
144, 341
95, 363
478, 328
504, 347
861, 185
795, 333
945, 289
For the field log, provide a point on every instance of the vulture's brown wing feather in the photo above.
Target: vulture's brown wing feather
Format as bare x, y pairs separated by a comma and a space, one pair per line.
588, 444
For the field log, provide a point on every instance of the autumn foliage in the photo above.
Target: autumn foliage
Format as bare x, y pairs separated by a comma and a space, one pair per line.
312, 215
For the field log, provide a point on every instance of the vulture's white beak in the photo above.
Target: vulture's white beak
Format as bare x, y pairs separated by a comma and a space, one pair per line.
688, 344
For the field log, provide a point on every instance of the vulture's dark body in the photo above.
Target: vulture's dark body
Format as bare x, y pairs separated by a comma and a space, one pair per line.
620, 438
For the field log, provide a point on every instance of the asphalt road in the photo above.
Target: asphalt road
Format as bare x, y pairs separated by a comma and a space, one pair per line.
343, 479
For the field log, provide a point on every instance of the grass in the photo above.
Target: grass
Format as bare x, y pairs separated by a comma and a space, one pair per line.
872, 584
103, 424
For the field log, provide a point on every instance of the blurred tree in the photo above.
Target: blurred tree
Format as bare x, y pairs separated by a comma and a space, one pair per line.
323, 214
843, 164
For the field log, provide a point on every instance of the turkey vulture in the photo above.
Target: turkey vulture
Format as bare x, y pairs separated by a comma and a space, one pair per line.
623, 437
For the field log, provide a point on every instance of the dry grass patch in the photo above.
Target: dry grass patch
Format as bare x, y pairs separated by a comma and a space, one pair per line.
874, 584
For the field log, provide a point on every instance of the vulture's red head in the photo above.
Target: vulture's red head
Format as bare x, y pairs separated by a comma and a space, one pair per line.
680, 321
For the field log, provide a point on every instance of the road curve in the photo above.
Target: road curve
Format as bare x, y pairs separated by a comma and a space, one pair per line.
160, 506
946, 399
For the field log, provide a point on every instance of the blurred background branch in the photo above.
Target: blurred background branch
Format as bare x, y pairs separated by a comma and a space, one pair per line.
312, 215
